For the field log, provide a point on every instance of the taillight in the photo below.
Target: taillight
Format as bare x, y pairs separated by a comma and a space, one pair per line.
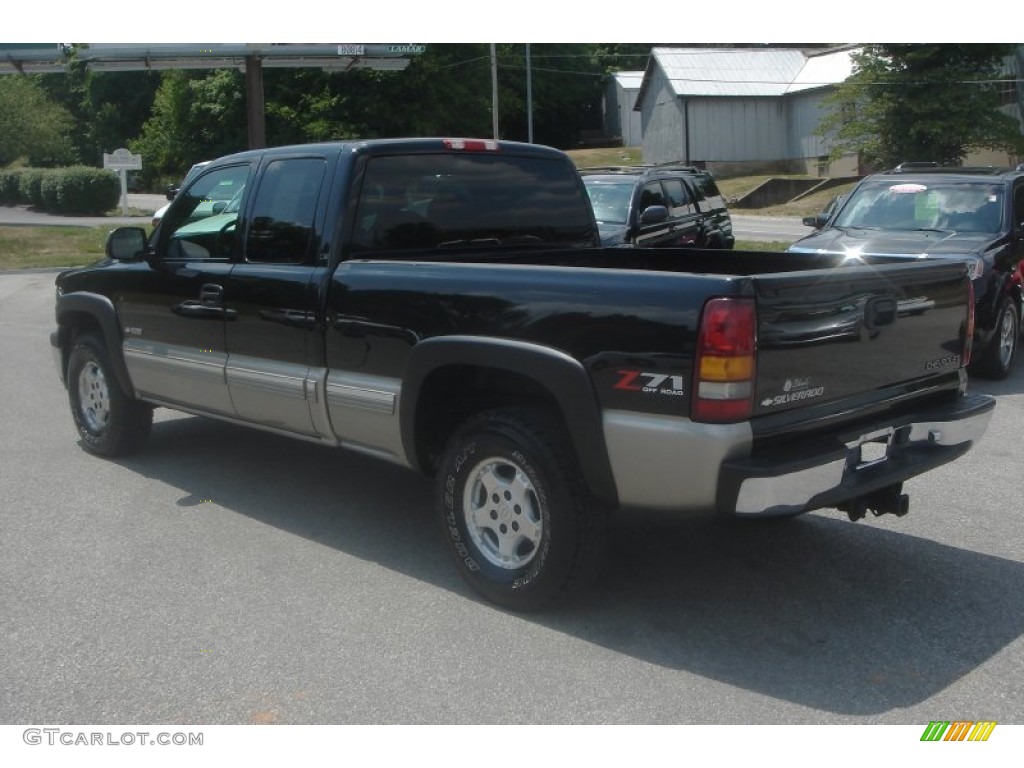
472, 145
723, 379
969, 334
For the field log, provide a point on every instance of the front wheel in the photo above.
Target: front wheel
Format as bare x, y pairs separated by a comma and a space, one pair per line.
997, 360
108, 420
520, 525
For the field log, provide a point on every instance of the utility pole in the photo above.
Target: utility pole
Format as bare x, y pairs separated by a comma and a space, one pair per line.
494, 91
254, 102
529, 97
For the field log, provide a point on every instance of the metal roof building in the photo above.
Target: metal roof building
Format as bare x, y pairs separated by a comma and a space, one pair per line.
620, 117
738, 108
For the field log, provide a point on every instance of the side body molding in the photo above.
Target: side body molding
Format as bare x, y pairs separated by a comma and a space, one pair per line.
562, 376
101, 309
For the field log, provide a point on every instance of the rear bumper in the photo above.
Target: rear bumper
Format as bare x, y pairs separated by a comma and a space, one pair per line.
843, 466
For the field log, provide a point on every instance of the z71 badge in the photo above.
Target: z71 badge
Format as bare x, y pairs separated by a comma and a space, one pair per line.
650, 383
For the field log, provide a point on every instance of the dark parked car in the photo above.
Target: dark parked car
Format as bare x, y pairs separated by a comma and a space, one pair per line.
975, 214
658, 206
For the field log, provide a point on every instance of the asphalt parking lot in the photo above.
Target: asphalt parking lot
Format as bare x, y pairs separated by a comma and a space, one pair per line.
225, 575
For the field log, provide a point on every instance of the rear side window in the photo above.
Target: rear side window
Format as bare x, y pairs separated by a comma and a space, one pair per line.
707, 186
281, 228
427, 201
679, 197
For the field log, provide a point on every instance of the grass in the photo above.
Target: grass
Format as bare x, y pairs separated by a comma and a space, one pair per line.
758, 245
731, 188
33, 247
36, 247
588, 158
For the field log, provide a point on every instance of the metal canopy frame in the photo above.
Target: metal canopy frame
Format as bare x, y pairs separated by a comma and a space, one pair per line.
251, 58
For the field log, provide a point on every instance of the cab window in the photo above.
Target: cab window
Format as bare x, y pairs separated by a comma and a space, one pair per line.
469, 200
284, 211
200, 223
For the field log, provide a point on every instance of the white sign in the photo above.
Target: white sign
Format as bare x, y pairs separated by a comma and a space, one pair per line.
348, 49
122, 160
407, 48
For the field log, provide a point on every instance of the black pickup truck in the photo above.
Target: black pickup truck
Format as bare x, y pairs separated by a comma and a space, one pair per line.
446, 305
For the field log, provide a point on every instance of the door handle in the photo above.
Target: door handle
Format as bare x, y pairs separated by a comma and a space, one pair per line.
211, 295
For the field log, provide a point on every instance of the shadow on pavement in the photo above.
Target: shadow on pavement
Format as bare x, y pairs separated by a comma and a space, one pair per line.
840, 617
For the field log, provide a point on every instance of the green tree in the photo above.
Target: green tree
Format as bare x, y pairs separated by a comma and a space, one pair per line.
32, 126
915, 102
196, 116
446, 91
109, 108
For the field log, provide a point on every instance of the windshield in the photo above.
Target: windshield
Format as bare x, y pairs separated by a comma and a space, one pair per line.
955, 206
610, 200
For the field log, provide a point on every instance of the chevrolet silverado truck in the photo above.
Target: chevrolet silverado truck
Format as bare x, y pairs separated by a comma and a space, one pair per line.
446, 305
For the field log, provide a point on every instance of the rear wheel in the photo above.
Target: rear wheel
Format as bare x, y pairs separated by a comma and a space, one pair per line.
517, 520
997, 360
109, 422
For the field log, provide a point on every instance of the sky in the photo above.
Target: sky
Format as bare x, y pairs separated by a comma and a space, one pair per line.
534, 21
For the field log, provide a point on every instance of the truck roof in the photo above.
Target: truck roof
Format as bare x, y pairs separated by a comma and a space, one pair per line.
411, 145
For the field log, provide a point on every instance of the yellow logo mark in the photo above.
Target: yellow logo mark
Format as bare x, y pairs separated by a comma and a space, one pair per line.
958, 730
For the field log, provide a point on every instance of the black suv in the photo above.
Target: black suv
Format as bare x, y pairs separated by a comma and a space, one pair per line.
922, 209
658, 206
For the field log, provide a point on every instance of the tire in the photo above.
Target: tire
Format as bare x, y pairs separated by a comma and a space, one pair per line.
998, 358
109, 422
517, 519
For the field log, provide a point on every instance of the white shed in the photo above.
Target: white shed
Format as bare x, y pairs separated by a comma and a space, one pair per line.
620, 117
739, 109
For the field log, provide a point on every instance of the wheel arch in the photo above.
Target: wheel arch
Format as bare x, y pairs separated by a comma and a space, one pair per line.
79, 313
477, 373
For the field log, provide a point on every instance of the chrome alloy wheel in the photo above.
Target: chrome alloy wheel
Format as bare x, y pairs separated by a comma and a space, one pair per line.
502, 513
1007, 337
94, 397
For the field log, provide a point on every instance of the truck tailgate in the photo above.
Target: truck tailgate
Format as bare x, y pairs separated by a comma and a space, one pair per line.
828, 335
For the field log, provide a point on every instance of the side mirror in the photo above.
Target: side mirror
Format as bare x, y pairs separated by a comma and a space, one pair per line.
172, 192
219, 207
654, 214
126, 243
817, 221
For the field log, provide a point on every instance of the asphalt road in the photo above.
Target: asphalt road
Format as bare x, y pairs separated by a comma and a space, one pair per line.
745, 226
225, 575
20, 215
786, 229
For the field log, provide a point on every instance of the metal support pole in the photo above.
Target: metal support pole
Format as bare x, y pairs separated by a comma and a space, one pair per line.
254, 102
529, 97
494, 91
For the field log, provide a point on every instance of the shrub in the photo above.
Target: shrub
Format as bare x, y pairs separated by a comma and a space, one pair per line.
84, 190
30, 182
79, 189
9, 194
